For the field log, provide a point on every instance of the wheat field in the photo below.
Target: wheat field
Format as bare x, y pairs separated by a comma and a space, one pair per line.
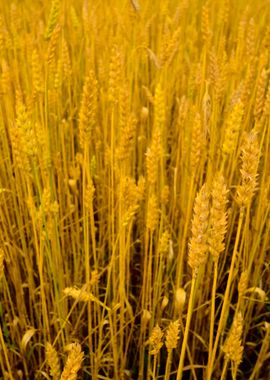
135, 189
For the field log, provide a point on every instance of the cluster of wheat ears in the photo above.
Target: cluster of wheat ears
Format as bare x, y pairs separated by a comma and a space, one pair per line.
134, 189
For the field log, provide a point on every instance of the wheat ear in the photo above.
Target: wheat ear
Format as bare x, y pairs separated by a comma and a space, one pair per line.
74, 363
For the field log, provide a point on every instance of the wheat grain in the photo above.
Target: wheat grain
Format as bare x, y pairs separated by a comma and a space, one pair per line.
51, 54
153, 155
88, 110
218, 217
73, 363
260, 94
155, 340
36, 71
198, 142
233, 126
53, 361
197, 254
250, 160
152, 213
243, 284
233, 348
205, 24
172, 335
53, 18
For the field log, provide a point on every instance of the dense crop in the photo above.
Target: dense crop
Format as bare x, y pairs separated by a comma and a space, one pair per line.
134, 189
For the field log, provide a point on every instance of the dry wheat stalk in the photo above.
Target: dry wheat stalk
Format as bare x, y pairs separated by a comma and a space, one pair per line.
266, 107
2, 257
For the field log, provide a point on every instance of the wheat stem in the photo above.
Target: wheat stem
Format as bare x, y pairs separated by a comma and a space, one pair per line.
225, 304
186, 333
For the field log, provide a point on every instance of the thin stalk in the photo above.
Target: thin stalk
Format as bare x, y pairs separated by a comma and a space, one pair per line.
168, 365
226, 296
224, 370
4, 348
212, 317
154, 367
189, 315
180, 259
